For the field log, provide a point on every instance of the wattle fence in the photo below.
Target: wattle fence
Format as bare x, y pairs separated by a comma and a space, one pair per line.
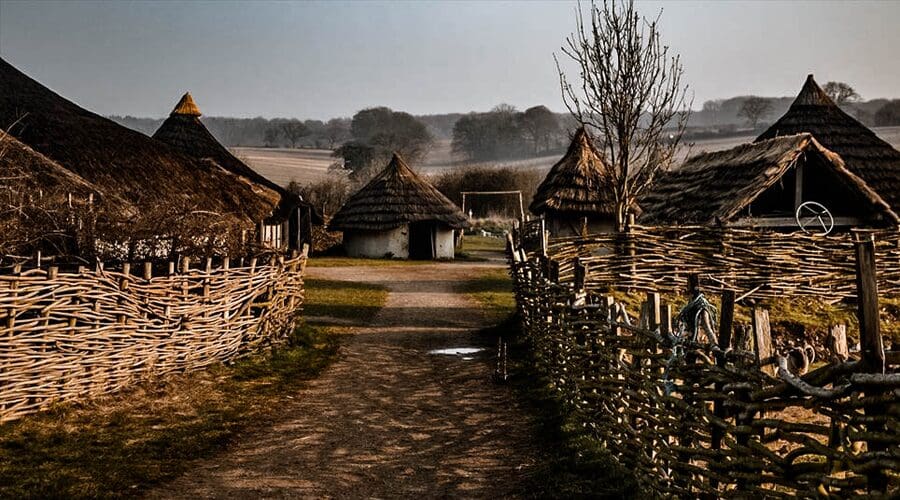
764, 263
66, 335
716, 411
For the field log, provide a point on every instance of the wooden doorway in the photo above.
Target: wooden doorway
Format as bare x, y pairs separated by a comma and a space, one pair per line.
421, 240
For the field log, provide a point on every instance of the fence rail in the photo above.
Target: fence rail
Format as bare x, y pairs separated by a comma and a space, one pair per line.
706, 415
67, 335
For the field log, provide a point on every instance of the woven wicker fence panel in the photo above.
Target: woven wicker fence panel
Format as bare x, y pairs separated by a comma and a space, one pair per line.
71, 335
768, 263
693, 421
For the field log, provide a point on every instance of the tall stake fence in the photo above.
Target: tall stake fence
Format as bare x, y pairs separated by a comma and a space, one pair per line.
711, 412
68, 335
770, 264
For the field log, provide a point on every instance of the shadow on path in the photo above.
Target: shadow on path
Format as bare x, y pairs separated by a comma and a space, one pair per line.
388, 419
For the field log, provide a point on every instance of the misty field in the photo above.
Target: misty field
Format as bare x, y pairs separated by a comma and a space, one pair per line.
307, 165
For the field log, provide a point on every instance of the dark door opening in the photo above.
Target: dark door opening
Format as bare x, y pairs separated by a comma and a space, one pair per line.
421, 240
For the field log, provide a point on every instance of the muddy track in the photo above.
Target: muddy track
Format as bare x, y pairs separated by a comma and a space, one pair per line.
388, 419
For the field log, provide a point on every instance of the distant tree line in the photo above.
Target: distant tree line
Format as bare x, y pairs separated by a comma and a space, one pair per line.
505, 132
510, 133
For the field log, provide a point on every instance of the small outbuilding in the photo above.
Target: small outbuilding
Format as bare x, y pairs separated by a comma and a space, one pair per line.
289, 226
398, 214
576, 197
765, 185
864, 153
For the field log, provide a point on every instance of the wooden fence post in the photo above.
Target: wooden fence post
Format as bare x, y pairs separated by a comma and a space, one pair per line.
580, 272
837, 342
726, 326
871, 344
554, 271
762, 340
872, 350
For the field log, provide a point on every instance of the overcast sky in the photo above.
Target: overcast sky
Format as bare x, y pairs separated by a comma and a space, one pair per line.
319, 60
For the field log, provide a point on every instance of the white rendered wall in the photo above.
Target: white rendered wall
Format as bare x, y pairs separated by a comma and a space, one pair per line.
377, 244
443, 243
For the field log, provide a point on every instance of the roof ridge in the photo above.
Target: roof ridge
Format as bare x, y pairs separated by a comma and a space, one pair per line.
812, 95
186, 106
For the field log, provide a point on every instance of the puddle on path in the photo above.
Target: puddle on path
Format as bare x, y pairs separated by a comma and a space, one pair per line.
458, 351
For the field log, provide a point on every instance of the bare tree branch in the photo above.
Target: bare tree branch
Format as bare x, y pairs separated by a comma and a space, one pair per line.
630, 94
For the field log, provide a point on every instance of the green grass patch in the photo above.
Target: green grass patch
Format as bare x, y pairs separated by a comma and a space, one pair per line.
483, 243
119, 445
358, 261
492, 289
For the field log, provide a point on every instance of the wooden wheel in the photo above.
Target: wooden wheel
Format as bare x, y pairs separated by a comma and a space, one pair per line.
814, 218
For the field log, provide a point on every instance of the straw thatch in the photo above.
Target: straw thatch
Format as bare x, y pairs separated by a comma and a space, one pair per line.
184, 131
25, 170
577, 184
145, 172
395, 197
717, 186
186, 106
864, 153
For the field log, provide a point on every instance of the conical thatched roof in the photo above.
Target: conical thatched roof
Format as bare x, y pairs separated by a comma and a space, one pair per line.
143, 171
395, 197
186, 106
577, 184
184, 131
864, 153
717, 186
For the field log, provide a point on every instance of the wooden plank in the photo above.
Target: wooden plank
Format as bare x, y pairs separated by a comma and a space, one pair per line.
762, 340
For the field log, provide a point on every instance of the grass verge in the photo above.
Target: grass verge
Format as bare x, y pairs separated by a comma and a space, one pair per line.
121, 444
573, 464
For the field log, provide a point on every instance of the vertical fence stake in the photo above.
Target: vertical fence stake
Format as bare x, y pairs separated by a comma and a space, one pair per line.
871, 347
726, 326
762, 340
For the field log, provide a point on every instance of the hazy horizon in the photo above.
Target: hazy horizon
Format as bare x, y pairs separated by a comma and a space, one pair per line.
322, 60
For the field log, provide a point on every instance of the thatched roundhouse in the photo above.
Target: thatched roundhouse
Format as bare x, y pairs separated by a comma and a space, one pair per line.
399, 214
576, 198
177, 196
762, 185
41, 203
863, 152
291, 223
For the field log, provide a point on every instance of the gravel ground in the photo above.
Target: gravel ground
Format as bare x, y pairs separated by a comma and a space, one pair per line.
388, 419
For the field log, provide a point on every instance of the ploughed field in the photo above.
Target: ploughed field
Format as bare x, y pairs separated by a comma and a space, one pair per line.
283, 165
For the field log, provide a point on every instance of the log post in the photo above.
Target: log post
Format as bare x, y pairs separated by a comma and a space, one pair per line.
726, 326
837, 342
148, 270
554, 271
871, 350
871, 343
580, 271
762, 340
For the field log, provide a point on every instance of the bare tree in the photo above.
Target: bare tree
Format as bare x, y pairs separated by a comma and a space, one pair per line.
841, 93
754, 109
628, 89
293, 131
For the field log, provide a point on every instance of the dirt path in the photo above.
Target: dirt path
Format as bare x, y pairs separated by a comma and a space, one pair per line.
388, 419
